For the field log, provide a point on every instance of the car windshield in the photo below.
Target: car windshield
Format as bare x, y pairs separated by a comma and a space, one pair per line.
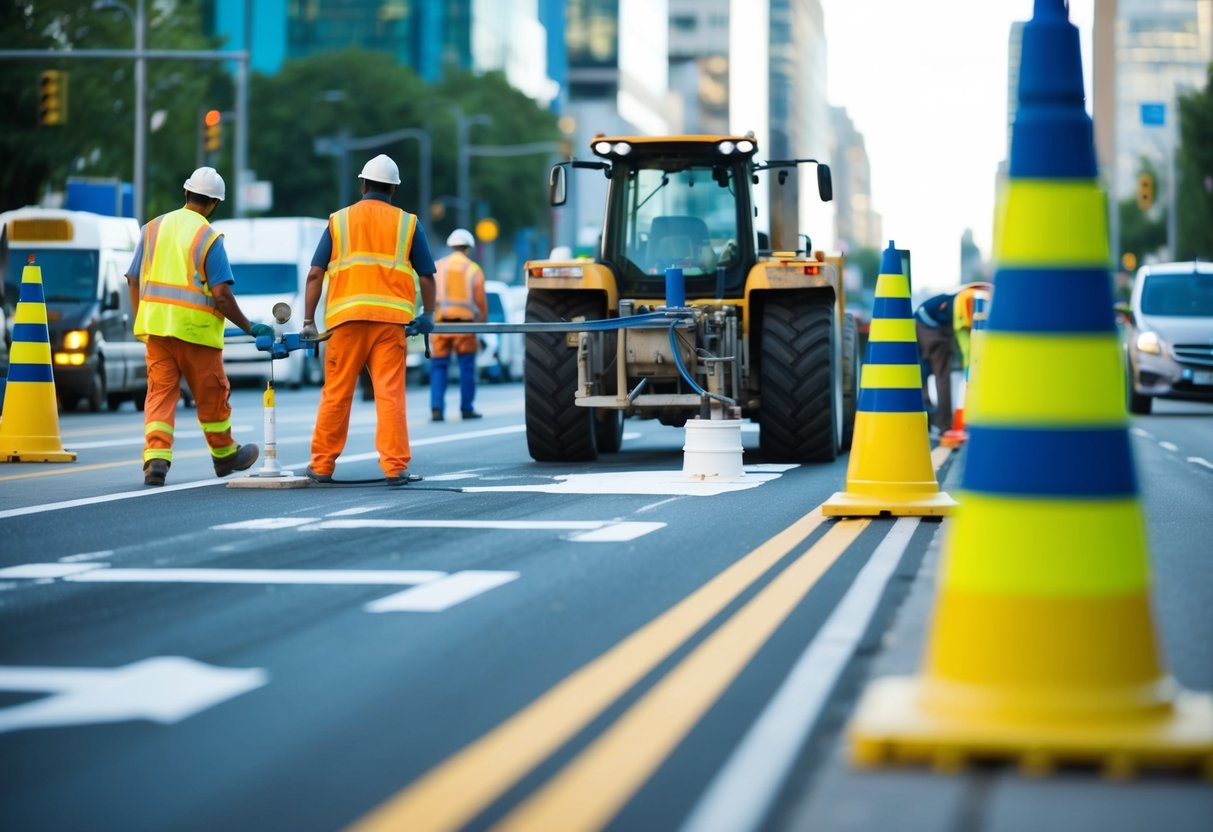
265, 278
1178, 295
68, 275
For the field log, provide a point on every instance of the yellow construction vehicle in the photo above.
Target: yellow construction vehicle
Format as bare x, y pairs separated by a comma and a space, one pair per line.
757, 325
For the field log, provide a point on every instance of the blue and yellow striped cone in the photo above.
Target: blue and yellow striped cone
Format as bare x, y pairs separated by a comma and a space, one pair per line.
890, 470
29, 428
1042, 648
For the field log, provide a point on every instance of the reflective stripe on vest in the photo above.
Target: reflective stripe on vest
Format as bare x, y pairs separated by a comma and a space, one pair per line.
174, 298
369, 277
457, 276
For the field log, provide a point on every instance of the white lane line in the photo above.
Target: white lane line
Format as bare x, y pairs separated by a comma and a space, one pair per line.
137, 439
634, 482
740, 795
436, 596
344, 577
104, 553
1141, 433
1168, 446
349, 512
500, 525
1198, 460
617, 532
37, 571
262, 524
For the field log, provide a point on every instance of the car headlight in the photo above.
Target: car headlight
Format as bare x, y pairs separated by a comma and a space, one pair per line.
1150, 342
76, 339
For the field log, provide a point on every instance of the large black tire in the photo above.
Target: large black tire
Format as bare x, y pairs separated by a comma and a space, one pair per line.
556, 429
850, 378
609, 431
798, 421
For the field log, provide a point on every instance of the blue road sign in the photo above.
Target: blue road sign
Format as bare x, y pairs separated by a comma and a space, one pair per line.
1153, 113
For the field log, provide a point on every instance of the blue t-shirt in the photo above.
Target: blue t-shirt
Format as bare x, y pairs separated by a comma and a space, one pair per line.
218, 269
419, 256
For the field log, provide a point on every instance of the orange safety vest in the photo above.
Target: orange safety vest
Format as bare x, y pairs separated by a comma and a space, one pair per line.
369, 276
457, 279
174, 296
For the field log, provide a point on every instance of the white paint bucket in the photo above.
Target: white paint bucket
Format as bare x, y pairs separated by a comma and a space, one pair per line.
713, 449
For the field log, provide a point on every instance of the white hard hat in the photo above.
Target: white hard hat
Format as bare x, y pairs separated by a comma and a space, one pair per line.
206, 182
381, 169
461, 237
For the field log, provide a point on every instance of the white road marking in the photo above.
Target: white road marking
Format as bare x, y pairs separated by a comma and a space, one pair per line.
165, 689
657, 505
262, 524
1197, 460
617, 532
740, 795
634, 482
137, 439
104, 553
349, 512
36, 571
436, 596
1168, 446
631, 435
634, 530
1141, 433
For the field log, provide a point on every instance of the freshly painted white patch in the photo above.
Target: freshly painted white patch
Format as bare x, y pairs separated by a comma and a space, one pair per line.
348, 577
165, 689
740, 795
262, 524
104, 553
1168, 446
442, 594
1197, 460
617, 532
636, 482
35, 571
457, 475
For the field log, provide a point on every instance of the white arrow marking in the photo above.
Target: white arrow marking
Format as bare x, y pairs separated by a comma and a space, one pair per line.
165, 689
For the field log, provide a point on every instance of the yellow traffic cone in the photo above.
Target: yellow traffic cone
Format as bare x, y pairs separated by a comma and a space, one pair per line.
29, 428
890, 470
1042, 647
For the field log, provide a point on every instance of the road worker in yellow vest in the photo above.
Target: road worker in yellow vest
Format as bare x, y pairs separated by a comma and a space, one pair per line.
181, 289
460, 298
371, 260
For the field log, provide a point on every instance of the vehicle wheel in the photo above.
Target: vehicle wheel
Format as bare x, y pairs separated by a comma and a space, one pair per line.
1139, 404
114, 401
850, 378
797, 422
609, 431
140, 399
556, 429
96, 392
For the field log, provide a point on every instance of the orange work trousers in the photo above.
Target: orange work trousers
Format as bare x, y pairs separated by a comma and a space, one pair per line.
380, 347
460, 343
168, 359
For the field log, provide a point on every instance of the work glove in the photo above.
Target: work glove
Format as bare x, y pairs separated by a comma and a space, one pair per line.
423, 324
309, 333
261, 329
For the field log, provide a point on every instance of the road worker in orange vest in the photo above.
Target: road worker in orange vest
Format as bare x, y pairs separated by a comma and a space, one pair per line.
180, 282
460, 298
372, 258
942, 323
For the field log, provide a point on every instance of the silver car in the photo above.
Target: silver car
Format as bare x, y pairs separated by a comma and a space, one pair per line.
1170, 334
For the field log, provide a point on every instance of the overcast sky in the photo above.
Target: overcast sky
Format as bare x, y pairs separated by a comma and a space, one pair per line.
925, 82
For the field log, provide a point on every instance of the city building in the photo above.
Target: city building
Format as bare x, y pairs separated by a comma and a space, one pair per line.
856, 224
699, 64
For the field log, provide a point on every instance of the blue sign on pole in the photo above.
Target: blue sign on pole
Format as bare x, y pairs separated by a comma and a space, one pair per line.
1153, 113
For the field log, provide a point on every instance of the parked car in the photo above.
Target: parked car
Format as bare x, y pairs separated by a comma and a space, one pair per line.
500, 356
1169, 334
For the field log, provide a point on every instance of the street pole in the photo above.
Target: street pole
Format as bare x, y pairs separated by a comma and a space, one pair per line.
140, 112
241, 154
463, 169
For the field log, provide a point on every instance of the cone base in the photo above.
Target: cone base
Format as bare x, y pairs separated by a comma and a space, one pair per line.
852, 504
953, 439
58, 455
890, 726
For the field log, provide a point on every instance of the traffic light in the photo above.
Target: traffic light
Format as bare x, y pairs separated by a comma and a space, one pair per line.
213, 131
52, 98
1145, 190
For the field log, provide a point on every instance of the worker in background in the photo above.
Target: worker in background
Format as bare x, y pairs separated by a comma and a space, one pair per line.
181, 290
374, 257
942, 323
460, 298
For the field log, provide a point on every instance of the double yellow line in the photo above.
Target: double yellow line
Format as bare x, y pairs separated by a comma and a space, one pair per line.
596, 784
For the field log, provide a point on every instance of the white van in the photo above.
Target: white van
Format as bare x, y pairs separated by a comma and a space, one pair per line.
83, 258
270, 258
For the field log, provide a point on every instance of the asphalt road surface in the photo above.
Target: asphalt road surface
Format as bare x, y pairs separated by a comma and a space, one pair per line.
505, 644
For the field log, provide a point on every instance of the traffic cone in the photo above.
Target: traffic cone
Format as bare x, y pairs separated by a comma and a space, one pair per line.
956, 435
1042, 646
29, 427
890, 470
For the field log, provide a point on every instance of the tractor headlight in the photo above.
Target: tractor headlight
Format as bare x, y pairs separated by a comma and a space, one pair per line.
727, 147
1150, 342
602, 148
745, 146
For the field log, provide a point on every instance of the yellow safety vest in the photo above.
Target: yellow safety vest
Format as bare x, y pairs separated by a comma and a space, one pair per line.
370, 277
174, 296
457, 279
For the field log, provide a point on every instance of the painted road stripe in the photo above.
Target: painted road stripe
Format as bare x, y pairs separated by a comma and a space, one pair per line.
617, 532
436, 596
590, 790
1197, 460
740, 796
459, 789
592, 531
634, 482
1168, 446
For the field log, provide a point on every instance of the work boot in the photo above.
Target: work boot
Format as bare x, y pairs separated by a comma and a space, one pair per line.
314, 477
242, 460
403, 478
154, 471
472, 414
435, 415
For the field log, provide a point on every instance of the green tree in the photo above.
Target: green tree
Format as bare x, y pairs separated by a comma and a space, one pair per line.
1194, 228
98, 138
